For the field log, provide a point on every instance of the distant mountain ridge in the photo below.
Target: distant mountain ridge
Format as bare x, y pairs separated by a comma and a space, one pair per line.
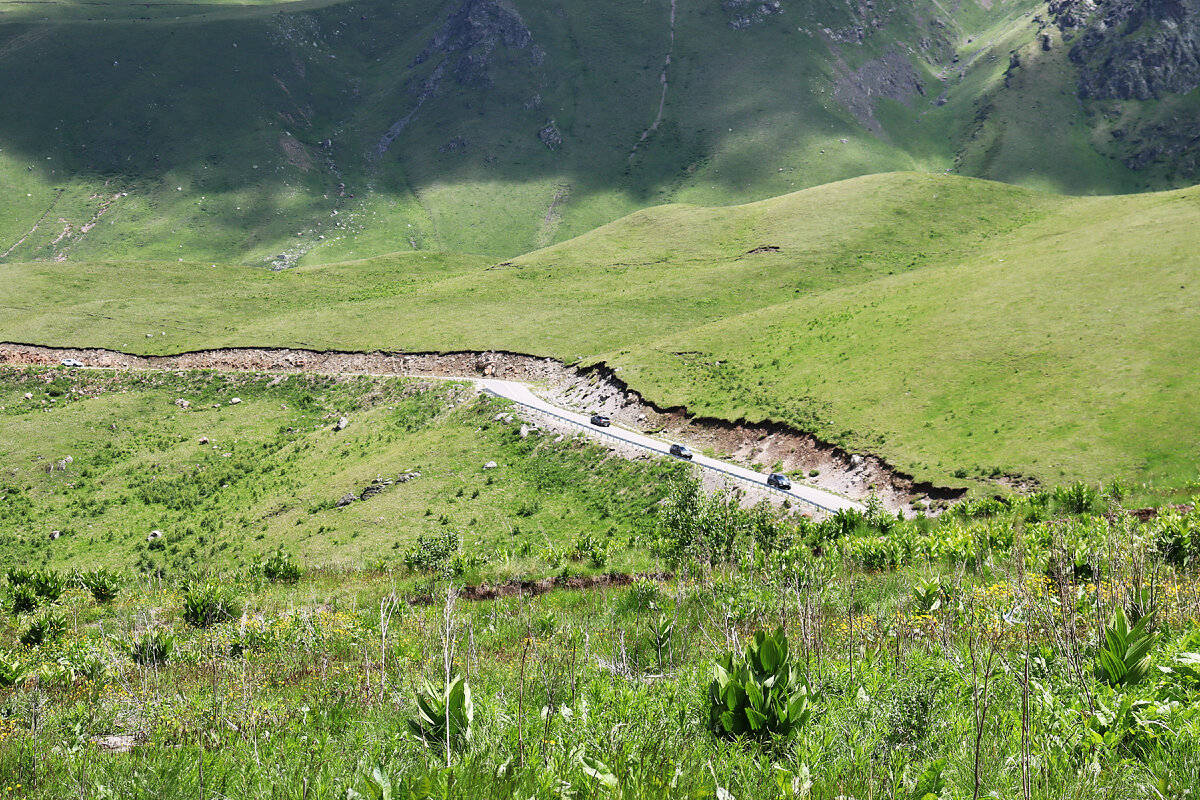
315, 131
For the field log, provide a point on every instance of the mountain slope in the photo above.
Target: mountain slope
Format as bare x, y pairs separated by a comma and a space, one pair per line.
954, 326
311, 132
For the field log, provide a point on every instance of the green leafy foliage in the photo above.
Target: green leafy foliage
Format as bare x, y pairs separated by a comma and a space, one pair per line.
103, 583
48, 584
12, 669
152, 647
1078, 498
1123, 659
209, 603
280, 568
759, 695
44, 629
444, 715
22, 598
432, 551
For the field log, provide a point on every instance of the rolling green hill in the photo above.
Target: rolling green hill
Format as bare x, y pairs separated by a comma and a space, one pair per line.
225, 482
959, 328
315, 132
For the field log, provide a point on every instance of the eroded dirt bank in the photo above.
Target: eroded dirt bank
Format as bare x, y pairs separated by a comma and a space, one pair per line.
594, 390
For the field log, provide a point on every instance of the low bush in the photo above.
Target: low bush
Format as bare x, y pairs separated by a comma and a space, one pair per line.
760, 695
432, 551
209, 604
22, 598
44, 629
103, 584
280, 568
48, 584
152, 647
444, 716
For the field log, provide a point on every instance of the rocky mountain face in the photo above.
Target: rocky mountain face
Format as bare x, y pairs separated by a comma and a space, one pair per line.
472, 32
1133, 49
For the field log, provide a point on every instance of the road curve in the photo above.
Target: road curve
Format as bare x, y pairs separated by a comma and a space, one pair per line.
522, 395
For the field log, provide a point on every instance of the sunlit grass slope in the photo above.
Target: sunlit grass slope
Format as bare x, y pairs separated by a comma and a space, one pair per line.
955, 326
225, 481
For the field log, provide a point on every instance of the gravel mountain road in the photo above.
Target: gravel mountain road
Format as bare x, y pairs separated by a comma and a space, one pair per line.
522, 395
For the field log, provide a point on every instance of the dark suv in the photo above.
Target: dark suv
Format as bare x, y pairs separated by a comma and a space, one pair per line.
681, 451
779, 481
601, 421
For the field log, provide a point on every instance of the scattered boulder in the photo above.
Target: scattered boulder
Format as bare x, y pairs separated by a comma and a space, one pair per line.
550, 136
115, 743
234, 401
377, 486
411, 475
525, 431
29, 395
856, 460
490, 465
54, 535
203, 440
156, 534
341, 424
346, 500
182, 403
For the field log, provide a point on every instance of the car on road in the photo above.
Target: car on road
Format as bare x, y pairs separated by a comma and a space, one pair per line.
601, 421
72, 362
681, 451
779, 481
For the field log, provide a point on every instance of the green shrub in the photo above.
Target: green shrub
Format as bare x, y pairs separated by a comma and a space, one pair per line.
103, 584
252, 638
593, 549
930, 593
45, 628
152, 647
18, 577
280, 568
1124, 657
209, 604
432, 552
12, 670
760, 695
23, 598
1078, 498
48, 584
444, 715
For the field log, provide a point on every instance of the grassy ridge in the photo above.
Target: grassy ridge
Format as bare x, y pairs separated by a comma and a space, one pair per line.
957, 327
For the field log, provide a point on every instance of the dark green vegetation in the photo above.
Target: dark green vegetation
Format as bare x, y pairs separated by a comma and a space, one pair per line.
964, 330
227, 484
316, 131
1035, 648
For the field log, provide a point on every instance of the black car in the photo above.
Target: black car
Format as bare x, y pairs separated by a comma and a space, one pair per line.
779, 481
601, 421
681, 451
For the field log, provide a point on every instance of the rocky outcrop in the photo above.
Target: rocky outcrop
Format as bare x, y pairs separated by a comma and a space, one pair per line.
472, 32
744, 13
1133, 49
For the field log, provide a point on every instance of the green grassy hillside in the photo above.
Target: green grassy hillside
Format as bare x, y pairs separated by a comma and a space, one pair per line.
961, 329
227, 482
315, 132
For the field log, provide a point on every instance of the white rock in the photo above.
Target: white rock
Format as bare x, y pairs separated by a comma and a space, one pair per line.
490, 465
234, 401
